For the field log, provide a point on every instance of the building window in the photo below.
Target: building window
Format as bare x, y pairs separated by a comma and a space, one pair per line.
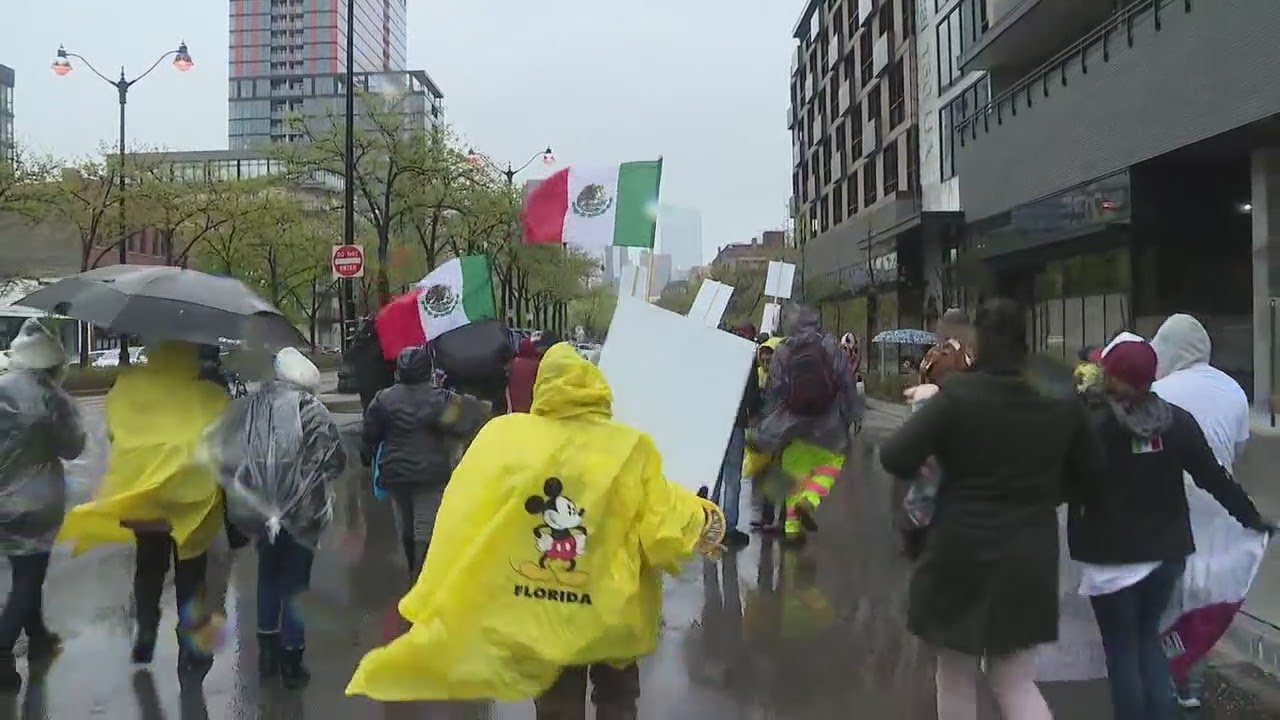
908, 18
837, 203
875, 109
891, 168
869, 179
855, 132
851, 194
913, 159
947, 153
897, 94
866, 50
966, 104
885, 21
973, 22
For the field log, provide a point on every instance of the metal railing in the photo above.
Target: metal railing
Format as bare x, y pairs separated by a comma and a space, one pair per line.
1121, 22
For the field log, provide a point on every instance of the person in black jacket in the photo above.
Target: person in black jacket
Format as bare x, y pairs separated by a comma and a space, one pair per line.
986, 582
416, 432
1132, 528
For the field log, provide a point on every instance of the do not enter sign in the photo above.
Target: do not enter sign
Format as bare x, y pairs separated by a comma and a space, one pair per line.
348, 261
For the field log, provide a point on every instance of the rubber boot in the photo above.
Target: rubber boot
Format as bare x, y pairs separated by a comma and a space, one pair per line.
268, 655
192, 664
293, 672
144, 643
10, 680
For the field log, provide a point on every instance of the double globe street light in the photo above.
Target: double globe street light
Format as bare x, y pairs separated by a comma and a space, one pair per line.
62, 67
479, 160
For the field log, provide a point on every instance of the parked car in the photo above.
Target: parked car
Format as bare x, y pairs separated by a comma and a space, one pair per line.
111, 358
4, 361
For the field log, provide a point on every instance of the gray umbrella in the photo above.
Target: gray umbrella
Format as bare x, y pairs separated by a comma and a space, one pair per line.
167, 303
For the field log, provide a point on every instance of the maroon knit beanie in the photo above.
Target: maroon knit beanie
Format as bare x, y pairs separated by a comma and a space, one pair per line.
1132, 362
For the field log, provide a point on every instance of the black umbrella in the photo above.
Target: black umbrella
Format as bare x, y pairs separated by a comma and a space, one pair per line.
168, 303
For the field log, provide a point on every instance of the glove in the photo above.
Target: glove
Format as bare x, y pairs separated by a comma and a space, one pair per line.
714, 528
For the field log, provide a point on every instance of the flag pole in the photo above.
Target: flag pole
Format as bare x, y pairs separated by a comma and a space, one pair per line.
653, 242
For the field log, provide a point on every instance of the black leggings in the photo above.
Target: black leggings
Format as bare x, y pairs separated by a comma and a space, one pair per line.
154, 552
23, 611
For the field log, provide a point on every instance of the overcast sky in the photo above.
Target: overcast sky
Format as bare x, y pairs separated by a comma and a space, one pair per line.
701, 82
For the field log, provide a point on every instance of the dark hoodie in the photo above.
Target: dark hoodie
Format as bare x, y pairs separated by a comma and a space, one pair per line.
1136, 511
422, 428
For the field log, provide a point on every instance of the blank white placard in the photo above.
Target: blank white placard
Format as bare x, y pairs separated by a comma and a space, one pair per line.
679, 381
769, 320
779, 279
634, 282
711, 302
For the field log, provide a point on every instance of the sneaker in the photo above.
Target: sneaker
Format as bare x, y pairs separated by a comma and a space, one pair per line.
736, 539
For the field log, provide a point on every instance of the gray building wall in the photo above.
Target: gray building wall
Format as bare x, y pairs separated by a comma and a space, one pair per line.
1203, 73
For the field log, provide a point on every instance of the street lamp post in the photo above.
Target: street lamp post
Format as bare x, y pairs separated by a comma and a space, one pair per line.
349, 179
479, 160
61, 67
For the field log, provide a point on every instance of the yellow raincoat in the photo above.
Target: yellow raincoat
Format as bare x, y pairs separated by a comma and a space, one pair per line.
156, 415
546, 553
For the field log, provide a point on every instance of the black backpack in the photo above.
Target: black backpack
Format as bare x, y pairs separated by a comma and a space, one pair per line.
811, 382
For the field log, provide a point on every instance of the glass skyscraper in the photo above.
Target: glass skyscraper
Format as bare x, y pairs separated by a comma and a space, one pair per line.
6, 113
288, 58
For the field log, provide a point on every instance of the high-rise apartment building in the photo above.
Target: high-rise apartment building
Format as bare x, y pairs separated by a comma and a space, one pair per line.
288, 59
6, 113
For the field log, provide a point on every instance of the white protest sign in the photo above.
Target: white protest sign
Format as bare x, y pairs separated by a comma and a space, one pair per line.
769, 321
779, 280
634, 282
711, 303
657, 363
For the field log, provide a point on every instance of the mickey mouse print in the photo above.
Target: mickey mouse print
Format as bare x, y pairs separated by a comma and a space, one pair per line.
560, 540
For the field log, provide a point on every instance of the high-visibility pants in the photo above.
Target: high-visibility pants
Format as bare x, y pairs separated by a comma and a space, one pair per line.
812, 471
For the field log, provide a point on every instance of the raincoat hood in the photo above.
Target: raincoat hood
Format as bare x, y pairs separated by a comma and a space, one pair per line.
293, 368
570, 386
414, 366
36, 348
799, 319
1180, 343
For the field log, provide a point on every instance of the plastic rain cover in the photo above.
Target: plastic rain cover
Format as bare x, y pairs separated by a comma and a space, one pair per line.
277, 453
40, 427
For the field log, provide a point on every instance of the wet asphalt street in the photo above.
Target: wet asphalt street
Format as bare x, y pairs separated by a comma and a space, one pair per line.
764, 634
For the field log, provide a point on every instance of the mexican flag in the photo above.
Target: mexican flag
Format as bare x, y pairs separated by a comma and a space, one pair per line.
595, 208
455, 294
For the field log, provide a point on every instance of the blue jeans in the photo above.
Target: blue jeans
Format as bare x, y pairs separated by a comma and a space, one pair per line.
284, 572
1137, 667
731, 477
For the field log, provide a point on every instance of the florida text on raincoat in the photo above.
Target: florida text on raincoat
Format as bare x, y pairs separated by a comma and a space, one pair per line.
156, 415
547, 552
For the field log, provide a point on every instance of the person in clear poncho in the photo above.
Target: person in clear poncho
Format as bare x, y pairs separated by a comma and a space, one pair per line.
40, 428
278, 452
157, 494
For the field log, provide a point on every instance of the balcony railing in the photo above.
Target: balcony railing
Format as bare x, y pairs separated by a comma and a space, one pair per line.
1119, 28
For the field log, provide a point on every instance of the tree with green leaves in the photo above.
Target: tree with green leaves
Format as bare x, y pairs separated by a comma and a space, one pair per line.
391, 156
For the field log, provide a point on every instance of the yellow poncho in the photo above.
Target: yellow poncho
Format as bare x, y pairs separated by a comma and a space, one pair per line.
156, 415
546, 552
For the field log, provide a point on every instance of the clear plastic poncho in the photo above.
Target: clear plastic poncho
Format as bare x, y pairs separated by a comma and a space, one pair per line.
40, 427
277, 453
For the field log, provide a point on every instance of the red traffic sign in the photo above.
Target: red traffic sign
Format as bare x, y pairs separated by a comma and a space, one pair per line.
348, 261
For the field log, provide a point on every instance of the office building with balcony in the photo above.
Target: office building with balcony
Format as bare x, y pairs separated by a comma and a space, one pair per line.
288, 60
856, 182
1127, 166
7, 141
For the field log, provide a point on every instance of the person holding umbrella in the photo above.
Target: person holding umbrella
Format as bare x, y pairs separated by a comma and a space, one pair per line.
40, 428
156, 494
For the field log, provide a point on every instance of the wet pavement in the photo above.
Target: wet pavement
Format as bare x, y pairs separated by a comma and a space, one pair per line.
763, 633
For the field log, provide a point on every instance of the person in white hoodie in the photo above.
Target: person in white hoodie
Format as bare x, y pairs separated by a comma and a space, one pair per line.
1219, 405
